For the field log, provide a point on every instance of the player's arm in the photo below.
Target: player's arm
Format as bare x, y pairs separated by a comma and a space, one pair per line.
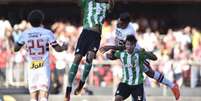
17, 47
52, 41
113, 55
59, 48
109, 47
149, 55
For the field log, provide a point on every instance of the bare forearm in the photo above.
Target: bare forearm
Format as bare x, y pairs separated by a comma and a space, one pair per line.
151, 56
17, 47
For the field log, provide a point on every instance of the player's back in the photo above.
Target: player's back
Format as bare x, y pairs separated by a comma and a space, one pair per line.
122, 33
37, 40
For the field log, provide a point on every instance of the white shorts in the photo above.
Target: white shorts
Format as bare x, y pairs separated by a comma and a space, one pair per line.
39, 79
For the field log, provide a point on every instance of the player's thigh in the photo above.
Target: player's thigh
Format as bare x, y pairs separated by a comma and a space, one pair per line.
138, 92
118, 98
33, 81
34, 95
44, 80
123, 90
83, 43
95, 42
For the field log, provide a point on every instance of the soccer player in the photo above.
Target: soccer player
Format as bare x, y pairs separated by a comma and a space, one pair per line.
37, 40
94, 13
125, 28
133, 67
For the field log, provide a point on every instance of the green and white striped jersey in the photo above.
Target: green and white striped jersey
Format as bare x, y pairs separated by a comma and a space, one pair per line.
132, 67
94, 13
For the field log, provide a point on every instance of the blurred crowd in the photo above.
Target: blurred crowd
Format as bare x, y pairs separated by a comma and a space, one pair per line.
178, 51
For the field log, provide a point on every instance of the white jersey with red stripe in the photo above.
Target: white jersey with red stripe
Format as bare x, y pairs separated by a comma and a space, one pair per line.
121, 34
37, 41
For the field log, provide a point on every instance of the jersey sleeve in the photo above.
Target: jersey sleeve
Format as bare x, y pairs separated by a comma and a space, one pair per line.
51, 39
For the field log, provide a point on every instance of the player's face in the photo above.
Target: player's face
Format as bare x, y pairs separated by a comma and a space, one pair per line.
129, 46
122, 24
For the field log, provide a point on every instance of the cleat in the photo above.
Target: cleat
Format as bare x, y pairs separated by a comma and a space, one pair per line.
79, 88
67, 95
176, 91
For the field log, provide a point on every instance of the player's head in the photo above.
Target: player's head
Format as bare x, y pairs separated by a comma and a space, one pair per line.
36, 17
124, 20
130, 43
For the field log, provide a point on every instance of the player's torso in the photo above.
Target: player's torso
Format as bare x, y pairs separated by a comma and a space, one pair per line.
94, 13
132, 71
122, 33
37, 47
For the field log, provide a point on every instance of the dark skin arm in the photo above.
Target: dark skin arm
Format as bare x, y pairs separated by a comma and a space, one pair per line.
17, 47
59, 48
109, 47
148, 54
151, 56
111, 55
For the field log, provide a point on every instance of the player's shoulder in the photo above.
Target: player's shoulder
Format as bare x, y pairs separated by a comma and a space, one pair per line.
45, 31
130, 26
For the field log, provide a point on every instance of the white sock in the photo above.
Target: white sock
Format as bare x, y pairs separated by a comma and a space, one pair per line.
160, 78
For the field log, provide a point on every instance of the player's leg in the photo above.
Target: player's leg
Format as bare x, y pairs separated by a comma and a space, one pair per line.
44, 84
71, 75
160, 78
81, 49
138, 93
43, 95
34, 96
32, 83
87, 68
123, 91
93, 44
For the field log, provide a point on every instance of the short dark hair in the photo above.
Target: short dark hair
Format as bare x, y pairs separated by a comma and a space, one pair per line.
131, 38
125, 16
35, 17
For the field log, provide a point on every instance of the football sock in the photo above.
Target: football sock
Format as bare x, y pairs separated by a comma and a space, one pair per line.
160, 78
71, 74
87, 68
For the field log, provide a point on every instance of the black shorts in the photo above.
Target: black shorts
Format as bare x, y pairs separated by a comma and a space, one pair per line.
88, 41
137, 91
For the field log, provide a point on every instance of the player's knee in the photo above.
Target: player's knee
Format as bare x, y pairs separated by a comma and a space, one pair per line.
77, 59
43, 99
90, 57
118, 98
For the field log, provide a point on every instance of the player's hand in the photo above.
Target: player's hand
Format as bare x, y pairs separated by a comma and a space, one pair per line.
65, 46
110, 55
